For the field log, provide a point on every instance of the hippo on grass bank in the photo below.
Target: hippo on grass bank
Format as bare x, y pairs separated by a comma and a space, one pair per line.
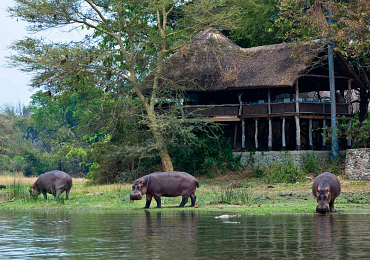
53, 182
167, 184
326, 188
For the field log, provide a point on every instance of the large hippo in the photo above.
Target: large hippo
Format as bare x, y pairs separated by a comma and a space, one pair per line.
167, 184
326, 188
53, 182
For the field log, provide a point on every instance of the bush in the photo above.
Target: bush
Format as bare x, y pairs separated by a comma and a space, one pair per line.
207, 156
285, 171
311, 164
237, 196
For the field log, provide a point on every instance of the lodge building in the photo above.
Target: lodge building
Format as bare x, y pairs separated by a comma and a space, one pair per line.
273, 97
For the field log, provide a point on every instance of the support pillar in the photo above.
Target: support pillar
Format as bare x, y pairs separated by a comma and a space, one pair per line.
310, 134
256, 133
243, 133
270, 135
283, 141
297, 125
235, 134
297, 133
323, 133
349, 96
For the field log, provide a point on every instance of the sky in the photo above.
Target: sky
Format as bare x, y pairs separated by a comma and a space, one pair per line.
14, 84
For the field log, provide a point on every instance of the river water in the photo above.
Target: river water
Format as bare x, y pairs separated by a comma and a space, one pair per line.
177, 234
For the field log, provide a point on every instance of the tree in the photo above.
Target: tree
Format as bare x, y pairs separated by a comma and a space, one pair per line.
349, 31
260, 24
130, 39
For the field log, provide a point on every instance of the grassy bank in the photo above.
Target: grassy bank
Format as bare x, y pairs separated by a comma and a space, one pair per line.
232, 193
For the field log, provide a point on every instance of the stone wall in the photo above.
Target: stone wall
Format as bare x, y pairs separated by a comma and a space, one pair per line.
358, 164
251, 159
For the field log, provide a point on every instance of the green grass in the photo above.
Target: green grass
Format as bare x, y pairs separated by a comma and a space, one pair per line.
248, 196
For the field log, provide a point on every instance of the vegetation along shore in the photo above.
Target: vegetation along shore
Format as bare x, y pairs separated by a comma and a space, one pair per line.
233, 192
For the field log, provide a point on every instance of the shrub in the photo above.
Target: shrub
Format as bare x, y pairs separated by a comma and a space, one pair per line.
311, 164
237, 196
206, 156
285, 171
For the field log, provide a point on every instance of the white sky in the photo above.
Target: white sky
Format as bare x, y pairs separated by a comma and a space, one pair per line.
14, 84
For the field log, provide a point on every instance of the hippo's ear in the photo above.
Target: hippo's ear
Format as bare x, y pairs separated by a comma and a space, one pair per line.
141, 182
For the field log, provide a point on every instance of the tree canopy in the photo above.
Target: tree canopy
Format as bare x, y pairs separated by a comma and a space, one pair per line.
128, 40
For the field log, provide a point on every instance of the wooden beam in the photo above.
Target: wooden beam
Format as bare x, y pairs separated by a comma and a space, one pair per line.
296, 97
323, 133
269, 100
310, 133
243, 133
240, 94
235, 134
324, 76
283, 134
256, 133
270, 135
349, 96
297, 125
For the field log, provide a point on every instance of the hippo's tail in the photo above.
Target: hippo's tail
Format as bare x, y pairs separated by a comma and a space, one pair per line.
197, 184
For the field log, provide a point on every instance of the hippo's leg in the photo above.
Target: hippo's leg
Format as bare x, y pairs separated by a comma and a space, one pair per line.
45, 195
148, 200
158, 200
184, 200
67, 194
331, 206
193, 199
57, 193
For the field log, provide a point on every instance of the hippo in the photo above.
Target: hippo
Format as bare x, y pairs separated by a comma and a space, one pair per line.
326, 188
53, 182
167, 184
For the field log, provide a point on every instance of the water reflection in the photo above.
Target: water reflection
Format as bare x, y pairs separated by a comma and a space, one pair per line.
148, 234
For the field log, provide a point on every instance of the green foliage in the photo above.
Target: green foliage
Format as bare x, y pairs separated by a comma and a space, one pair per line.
357, 130
285, 171
18, 191
208, 155
311, 163
260, 25
237, 196
334, 166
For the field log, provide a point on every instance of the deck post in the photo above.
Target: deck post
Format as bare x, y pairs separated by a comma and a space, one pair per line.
270, 135
297, 125
323, 133
310, 133
240, 103
256, 133
243, 133
235, 134
349, 96
283, 134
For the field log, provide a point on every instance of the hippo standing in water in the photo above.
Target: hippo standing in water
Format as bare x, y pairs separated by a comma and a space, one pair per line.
167, 184
53, 182
326, 188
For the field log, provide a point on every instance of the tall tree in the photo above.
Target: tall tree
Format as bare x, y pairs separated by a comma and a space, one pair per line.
349, 31
130, 38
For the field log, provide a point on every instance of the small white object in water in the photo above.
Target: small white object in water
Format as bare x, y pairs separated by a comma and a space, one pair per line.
228, 216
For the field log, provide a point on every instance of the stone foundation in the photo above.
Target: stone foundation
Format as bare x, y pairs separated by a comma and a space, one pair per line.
251, 159
358, 164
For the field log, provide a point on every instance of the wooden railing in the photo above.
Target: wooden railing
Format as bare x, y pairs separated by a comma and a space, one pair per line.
319, 108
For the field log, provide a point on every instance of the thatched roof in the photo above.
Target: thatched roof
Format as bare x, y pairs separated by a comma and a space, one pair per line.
213, 62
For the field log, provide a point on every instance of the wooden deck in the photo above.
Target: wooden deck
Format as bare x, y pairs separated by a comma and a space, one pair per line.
314, 109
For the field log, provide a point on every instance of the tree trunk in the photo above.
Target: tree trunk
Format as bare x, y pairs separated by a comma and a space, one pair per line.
159, 139
166, 160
